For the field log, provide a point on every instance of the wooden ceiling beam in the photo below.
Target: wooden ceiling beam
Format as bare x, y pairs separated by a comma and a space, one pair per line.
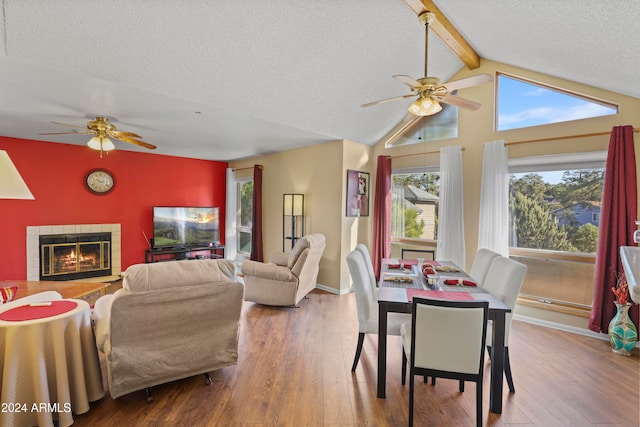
447, 32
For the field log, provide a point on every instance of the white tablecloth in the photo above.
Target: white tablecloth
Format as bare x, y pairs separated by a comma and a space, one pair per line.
49, 368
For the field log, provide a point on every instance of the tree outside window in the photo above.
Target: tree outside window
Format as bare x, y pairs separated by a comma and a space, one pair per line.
556, 210
245, 212
414, 205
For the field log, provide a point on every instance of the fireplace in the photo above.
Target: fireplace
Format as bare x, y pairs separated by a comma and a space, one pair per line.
75, 256
92, 268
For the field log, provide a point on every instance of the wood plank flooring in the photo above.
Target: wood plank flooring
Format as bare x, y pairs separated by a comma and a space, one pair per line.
294, 369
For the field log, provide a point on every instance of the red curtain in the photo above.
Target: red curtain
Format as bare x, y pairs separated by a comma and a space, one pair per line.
618, 214
256, 216
382, 214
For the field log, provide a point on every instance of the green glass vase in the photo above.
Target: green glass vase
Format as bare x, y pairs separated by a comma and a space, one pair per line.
623, 334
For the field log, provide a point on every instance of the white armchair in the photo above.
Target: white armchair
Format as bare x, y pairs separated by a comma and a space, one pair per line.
288, 277
171, 320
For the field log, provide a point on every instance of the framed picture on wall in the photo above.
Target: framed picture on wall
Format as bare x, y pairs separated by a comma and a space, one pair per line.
357, 193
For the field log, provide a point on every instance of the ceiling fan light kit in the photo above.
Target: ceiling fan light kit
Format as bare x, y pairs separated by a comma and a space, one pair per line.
425, 106
101, 143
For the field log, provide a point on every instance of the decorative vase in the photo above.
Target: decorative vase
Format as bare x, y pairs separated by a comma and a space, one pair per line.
623, 334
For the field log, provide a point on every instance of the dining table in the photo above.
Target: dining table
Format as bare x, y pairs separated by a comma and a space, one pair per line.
400, 280
49, 365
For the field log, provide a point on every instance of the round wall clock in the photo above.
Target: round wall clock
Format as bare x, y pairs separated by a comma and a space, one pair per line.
99, 181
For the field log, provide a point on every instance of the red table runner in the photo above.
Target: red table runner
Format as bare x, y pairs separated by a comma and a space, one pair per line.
448, 295
30, 312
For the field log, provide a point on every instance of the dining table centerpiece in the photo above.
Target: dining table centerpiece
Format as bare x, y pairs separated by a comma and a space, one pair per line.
623, 334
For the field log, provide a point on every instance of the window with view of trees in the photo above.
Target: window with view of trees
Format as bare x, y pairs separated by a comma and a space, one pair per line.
556, 210
414, 205
245, 211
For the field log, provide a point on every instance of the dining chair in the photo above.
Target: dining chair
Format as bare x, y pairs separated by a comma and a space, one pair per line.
360, 247
481, 264
504, 280
367, 304
454, 349
428, 254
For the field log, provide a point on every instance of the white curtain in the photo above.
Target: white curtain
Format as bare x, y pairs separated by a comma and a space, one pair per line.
493, 229
231, 238
450, 246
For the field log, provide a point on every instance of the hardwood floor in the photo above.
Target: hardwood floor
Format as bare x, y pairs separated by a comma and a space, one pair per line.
294, 369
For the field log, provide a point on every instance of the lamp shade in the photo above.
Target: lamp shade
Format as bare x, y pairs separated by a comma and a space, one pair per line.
293, 204
101, 143
425, 106
12, 186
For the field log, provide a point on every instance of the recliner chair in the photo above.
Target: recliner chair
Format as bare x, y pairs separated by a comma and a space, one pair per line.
287, 277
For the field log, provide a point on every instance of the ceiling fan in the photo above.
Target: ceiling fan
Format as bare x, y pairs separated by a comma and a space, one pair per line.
429, 90
102, 129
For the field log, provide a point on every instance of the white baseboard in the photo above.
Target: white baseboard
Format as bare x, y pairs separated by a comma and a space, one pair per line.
566, 328
333, 290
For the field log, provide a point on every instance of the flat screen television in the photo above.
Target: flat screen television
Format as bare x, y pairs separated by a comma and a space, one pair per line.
176, 226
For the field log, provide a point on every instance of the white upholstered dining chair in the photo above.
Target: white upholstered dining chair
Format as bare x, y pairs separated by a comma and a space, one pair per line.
366, 255
481, 264
454, 349
504, 280
367, 304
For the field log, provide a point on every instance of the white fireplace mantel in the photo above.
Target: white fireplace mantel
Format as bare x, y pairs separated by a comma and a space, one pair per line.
33, 246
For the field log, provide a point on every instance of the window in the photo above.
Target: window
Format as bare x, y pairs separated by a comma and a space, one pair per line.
547, 206
553, 202
245, 211
443, 125
414, 204
522, 103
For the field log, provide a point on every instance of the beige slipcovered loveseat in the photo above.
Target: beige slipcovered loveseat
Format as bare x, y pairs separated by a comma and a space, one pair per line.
170, 320
288, 277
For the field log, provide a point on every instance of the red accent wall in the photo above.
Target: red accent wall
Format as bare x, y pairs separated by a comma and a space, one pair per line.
55, 175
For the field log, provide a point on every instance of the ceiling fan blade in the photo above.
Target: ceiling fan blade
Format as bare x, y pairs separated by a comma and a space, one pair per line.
395, 98
73, 126
132, 141
408, 123
129, 134
480, 79
459, 102
409, 81
68, 133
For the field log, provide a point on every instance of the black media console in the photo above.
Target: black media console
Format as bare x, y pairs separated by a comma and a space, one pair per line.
196, 252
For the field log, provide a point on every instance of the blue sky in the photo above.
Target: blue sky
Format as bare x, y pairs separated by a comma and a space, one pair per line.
524, 104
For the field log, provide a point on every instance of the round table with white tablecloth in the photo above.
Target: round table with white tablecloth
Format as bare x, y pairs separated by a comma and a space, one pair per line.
49, 365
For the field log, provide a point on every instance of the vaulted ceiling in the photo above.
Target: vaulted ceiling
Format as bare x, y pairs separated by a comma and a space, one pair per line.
225, 80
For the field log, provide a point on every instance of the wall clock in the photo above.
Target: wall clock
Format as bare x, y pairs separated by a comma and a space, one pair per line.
99, 181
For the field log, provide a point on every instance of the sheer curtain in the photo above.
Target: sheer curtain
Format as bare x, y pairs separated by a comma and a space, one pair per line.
230, 234
382, 214
617, 223
493, 228
450, 245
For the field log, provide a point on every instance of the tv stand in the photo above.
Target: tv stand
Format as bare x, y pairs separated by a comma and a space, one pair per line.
180, 253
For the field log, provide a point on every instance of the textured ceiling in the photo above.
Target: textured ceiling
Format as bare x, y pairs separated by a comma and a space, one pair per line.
226, 80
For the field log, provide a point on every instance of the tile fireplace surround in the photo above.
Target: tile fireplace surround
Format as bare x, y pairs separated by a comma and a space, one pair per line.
33, 246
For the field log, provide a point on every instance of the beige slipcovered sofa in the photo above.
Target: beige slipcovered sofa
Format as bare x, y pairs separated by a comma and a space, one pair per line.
288, 277
170, 320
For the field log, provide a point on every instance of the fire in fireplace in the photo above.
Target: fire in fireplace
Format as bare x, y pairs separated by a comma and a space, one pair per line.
75, 256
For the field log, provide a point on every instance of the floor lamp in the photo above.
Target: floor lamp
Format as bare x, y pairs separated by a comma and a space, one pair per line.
292, 219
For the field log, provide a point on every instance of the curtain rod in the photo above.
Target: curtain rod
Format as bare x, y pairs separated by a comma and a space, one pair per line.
583, 135
418, 154
248, 167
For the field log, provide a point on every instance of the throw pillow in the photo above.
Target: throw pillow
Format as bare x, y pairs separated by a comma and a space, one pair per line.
8, 294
